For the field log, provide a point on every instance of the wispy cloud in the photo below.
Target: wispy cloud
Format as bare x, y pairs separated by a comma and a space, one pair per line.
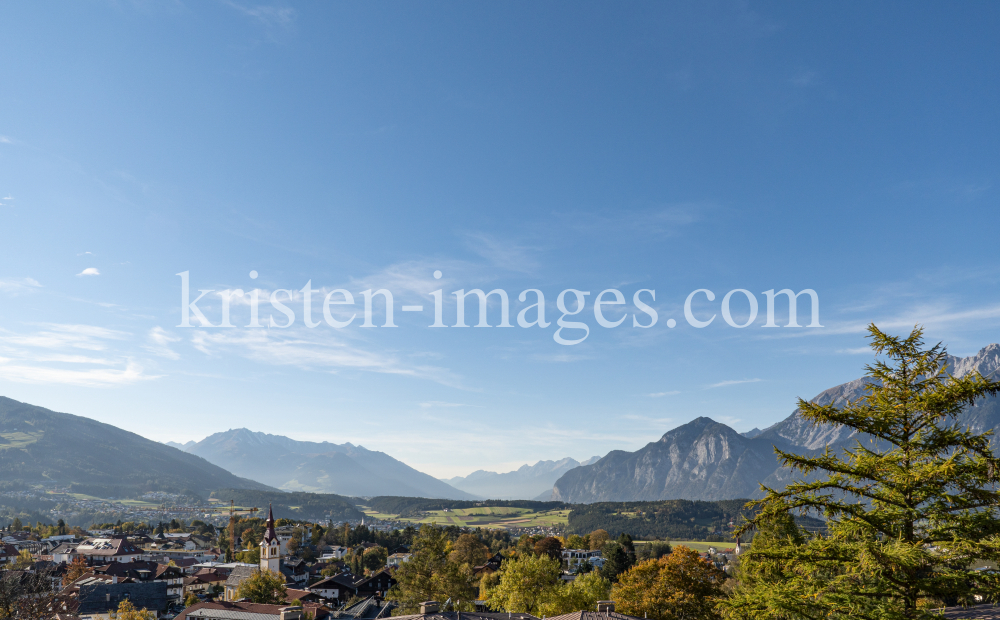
855, 351
560, 358
64, 336
51, 355
732, 382
158, 343
666, 220
18, 286
504, 253
314, 350
89, 271
440, 403
269, 15
661, 394
93, 377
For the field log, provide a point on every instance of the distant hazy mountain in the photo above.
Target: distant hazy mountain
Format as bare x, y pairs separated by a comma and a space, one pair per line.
313, 467
706, 460
527, 482
38, 445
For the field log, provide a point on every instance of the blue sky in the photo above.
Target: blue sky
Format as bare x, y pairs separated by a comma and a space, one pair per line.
847, 148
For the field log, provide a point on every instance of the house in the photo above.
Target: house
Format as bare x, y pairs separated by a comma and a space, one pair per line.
295, 570
237, 576
302, 596
133, 572
492, 565
572, 558
285, 533
174, 578
197, 584
334, 552
97, 601
8, 553
339, 588
210, 577
376, 584
252, 611
65, 553
104, 550
605, 611
397, 558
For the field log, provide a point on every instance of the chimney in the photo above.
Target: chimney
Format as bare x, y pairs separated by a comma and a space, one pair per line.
605, 606
429, 607
291, 613
114, 579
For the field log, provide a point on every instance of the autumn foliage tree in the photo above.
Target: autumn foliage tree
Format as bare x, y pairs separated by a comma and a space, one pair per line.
525, 584
429, 576
266, 587
469, 550
550, 546
128, 611
75, 569
678, 586
598, 538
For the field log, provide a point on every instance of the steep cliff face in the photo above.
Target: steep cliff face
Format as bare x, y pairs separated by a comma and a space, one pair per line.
700, 460
706, 460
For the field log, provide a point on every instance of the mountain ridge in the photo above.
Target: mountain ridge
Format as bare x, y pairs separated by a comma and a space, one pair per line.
525, 482
319, 467
707, 460
38, 445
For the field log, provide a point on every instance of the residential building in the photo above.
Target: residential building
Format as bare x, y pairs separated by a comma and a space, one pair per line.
397, 558
572, 558
98, 601
8, 553
104, 550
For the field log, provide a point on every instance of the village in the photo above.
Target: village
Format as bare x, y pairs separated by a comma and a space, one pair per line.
178, 570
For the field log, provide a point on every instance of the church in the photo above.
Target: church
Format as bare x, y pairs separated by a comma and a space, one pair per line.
270, 546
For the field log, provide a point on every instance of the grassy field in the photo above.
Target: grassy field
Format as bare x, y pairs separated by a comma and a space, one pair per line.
696, 545
489, 517
18, 439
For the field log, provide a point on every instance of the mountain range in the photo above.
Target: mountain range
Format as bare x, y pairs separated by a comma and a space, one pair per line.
343, 469
707, 460
42, 446
527, 482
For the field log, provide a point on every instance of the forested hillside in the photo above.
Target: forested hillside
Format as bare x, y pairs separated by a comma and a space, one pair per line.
410, 506
42, 446
676, 519
313, 506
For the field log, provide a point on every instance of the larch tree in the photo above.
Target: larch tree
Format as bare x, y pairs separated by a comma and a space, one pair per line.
911, 508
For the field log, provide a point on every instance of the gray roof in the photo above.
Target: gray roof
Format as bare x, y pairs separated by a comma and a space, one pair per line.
979, 612
469, 615
101, 598
241, 574
594, 615
227, 614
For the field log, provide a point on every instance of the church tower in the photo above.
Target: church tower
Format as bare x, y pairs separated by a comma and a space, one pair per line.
270, 548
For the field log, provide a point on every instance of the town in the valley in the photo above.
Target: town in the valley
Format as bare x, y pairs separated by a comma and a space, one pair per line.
187, 568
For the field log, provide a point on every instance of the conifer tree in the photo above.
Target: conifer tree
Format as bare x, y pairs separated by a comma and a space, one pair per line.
910, 508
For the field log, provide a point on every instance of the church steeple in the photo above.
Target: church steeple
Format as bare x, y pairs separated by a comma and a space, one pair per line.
270, 535
270, 546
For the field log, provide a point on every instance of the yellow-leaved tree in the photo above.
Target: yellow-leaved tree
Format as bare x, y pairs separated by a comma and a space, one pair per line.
678, 586
128, 611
